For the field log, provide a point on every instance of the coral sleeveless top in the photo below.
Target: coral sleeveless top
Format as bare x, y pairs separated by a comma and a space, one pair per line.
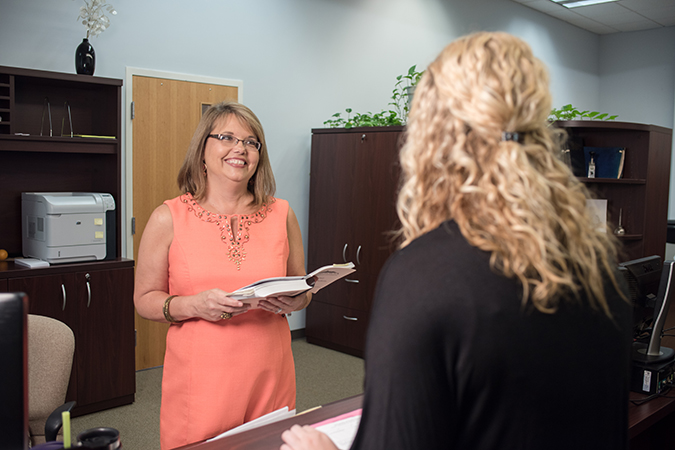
219, 375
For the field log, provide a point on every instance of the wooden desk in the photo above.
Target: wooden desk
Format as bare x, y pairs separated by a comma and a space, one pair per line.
268, 437
650, 426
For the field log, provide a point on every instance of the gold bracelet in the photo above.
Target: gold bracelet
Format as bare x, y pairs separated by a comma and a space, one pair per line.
167, 315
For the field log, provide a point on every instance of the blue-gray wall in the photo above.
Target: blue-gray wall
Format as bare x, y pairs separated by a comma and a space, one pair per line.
637, 81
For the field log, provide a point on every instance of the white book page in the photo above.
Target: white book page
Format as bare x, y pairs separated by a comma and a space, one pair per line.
274, 416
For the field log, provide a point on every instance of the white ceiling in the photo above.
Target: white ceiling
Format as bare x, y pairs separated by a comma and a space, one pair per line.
614, 17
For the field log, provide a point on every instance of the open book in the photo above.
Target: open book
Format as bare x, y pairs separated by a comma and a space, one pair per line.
292, 286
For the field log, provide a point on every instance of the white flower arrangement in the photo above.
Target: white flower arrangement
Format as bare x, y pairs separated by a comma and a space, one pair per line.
94, 18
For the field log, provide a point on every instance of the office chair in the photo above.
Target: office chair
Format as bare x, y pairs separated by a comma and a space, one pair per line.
51, 345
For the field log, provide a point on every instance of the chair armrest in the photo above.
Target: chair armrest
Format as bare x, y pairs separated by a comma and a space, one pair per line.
54, 421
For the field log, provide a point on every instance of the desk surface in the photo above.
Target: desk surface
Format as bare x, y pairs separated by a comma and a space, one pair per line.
640, 418
268, 437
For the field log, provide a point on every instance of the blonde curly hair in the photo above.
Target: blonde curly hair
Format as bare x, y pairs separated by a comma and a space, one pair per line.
515, 199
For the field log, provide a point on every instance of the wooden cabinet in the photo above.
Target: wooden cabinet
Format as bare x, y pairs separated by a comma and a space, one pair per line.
353, 186
38, 154
642, 192
90, 299
353, 181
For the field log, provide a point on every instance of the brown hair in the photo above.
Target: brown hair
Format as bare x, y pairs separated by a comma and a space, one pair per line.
191, 177
515, 199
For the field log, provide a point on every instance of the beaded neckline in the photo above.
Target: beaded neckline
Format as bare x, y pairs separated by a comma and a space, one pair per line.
234, 241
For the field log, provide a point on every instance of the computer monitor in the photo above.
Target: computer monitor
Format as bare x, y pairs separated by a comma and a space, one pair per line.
643, 277
651, 285
14, 357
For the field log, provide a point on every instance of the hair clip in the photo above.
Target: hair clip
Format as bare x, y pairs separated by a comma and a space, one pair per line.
508, 136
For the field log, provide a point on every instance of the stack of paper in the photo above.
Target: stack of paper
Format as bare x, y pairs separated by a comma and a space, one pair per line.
341, 429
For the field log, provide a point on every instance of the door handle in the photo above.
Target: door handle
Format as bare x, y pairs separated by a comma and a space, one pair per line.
344, 253
63, 293
88, 277
350, 318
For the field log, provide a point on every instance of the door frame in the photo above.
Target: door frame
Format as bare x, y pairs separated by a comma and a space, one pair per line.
128, 244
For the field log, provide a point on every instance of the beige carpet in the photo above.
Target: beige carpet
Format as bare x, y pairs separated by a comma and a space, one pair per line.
322, 376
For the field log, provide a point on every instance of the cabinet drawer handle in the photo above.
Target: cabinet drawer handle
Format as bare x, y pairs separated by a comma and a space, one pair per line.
350, 318
88, 289
63, 292
344, 253
358, 255
351, 281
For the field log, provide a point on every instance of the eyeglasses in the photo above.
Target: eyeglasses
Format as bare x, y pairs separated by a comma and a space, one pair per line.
230, 141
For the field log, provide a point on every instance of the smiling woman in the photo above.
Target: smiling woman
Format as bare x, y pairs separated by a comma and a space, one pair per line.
223, 153
225, 231
192, 178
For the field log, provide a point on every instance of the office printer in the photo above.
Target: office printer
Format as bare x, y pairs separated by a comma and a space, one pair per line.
64, 227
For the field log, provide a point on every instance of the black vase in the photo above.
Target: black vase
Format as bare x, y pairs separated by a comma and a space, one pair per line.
85, 58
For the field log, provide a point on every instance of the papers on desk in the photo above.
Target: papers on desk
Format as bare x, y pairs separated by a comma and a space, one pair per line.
341, 429
274, 416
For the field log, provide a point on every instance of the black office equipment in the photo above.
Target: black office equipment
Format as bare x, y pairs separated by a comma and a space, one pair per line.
14, 357
653, 366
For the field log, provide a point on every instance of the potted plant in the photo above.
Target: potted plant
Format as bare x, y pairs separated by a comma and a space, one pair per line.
401, 99
569, 112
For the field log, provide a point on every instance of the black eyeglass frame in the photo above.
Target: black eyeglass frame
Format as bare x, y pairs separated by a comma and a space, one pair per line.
220, 137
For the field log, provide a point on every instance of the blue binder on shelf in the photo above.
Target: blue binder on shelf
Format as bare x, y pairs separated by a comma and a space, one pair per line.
608, 161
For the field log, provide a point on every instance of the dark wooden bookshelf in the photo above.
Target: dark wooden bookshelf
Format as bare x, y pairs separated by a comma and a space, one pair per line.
95, 299
642, 191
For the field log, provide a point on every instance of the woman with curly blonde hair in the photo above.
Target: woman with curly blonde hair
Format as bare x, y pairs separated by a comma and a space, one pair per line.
500, 323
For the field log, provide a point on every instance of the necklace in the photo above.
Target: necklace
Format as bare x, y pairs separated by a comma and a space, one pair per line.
234, 240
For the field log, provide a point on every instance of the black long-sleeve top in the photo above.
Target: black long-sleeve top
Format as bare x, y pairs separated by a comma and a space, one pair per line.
455, 361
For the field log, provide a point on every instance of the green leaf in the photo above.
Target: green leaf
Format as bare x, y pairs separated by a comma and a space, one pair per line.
612, 117
601, 116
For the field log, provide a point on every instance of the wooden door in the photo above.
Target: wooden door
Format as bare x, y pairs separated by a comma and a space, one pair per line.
379, 154
166, 113
50, 295
104, 335
53, 296
332, 222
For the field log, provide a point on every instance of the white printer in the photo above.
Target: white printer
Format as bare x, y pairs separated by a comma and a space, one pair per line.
64, 227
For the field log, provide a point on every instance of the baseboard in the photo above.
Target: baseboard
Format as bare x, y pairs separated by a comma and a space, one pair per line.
298, 334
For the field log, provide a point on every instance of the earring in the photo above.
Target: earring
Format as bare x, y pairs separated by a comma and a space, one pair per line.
204, 167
